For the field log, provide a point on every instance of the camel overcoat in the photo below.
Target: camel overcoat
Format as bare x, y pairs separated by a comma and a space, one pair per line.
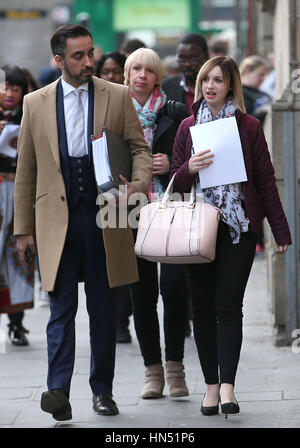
40, 201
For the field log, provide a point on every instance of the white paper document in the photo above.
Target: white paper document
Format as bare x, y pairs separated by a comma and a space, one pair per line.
9, 132
102, 166
223, 139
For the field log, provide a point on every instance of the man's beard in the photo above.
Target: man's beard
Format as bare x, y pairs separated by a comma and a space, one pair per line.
84, 76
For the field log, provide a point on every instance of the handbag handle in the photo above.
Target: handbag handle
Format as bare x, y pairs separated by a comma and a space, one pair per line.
169, 191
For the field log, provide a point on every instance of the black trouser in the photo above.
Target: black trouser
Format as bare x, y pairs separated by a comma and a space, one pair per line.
173, 287
16, 318
124, 309
217, 295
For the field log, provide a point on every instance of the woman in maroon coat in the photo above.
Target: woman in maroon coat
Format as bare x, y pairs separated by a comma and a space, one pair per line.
218, 288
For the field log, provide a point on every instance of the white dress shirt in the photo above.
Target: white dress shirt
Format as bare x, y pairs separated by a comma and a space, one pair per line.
68, 105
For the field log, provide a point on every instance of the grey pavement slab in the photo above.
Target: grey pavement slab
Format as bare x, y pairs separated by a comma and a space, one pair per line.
267, 386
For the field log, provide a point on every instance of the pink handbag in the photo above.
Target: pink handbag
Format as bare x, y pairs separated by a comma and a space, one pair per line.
178, 231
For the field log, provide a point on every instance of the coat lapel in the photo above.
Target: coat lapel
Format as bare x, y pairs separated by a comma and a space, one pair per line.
101, 95
50, 119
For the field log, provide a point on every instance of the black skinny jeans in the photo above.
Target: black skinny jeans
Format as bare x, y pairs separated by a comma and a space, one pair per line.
144, 295
217, 296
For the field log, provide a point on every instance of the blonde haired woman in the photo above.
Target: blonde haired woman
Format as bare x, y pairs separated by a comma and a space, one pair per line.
144, 72
253, 70
218, 288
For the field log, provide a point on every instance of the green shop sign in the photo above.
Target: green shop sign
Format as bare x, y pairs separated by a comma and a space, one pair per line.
151, 14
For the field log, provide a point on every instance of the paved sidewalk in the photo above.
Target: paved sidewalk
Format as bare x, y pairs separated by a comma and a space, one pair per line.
267, 388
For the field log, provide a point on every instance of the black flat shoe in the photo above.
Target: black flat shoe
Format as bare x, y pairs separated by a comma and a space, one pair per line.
209, 410
230, 408
56, 403
105, 405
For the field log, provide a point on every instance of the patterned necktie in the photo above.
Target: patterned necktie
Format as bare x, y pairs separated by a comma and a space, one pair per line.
77, 138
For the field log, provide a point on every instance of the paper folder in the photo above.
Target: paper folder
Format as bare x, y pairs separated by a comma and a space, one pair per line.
111, 157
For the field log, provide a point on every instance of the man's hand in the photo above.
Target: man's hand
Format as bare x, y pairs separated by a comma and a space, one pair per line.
24, 242
129, 191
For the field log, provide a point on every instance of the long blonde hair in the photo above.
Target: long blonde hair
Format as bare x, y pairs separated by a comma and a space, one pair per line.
231, 73
150, 59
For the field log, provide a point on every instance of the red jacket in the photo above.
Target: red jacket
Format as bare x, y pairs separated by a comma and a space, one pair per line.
260, 191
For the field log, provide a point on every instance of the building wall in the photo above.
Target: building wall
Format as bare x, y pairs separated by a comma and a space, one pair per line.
26, 42
280, 267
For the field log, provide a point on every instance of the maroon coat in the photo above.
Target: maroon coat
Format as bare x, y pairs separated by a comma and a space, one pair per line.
260, 191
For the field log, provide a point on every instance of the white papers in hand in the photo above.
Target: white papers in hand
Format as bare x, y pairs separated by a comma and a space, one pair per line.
222, 137
9, 132
102, 167
101, 160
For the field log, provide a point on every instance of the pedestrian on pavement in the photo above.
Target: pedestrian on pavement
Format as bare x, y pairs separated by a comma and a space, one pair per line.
111, 68
144, 72
16, 278
55, 174
253, 70
192, 52
130, 45
218, 288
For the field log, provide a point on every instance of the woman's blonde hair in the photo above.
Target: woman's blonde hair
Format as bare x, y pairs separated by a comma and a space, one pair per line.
252, 63
150, 59
232, 77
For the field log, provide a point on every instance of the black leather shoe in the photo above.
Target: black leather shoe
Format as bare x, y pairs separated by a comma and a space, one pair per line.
230, 408
209, 410
105, 405
56, 403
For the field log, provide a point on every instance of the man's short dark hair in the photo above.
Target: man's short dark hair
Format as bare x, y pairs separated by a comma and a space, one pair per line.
195, 38
60, 36
129, 46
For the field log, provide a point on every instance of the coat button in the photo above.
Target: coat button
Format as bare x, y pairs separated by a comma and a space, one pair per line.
62, 198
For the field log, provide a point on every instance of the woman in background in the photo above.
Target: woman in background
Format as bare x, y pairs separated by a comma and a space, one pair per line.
111, 67
144, 73
253, 70
16, 279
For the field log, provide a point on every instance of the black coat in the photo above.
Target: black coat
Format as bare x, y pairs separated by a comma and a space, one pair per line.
167, 123
174, 91
257, 103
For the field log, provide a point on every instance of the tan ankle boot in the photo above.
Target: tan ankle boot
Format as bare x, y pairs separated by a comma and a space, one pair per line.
154, 382
175, 379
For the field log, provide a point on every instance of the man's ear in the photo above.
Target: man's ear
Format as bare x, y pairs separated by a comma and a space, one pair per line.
59, 61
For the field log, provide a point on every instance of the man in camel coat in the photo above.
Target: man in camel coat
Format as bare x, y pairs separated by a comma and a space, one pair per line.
55, 205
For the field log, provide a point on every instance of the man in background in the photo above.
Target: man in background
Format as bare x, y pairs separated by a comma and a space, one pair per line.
192, 53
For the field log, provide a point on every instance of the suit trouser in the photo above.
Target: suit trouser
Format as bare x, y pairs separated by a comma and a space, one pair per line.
217, 297
144, 295
83, 254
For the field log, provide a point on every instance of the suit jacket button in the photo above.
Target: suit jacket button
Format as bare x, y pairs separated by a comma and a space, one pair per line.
62, 198
80, 188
